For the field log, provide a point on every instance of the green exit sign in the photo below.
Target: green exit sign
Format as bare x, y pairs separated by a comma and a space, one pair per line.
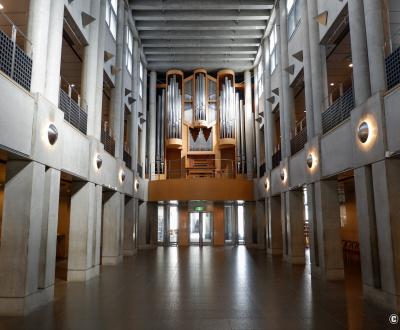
199, 208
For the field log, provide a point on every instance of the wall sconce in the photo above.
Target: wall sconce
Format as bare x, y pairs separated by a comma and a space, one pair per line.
266, 184
136, 185
99, 161
310, 160
363, 132
52, 134
283, 175
122, 175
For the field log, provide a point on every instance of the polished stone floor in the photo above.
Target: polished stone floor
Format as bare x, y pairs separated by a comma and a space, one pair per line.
206, 288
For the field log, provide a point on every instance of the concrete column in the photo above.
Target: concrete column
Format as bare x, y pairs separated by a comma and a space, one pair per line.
21, 239
313, 230
268, 118
135, 106
316, 67
54, 49
49, 228
152, 121
274, 237
256, 124
281, 99
117, 93
249, 223
328, 235
128, 237
113, 221
143, 137
293, 226
386, 178
359, 52
286, 91
85, 231
374, 24
37, 32
249, 124
142, 226
261, 223
308, 89
90, 72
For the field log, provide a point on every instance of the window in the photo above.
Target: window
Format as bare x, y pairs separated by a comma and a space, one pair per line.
260, 80
141, 79
273, 40
129, 50
111, 16
293, 9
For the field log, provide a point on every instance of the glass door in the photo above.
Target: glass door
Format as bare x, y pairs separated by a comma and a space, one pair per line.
194, 228
173, 225
206, 228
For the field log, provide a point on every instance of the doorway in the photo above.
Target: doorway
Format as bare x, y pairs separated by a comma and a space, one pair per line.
200, 228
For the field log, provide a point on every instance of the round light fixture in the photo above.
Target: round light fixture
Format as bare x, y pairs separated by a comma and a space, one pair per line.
99, 161
122, 175
363, 132
266, 184
136, 185
283, 174
310, 160
52, 134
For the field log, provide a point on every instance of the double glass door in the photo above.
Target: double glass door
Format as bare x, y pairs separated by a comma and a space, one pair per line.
200, 228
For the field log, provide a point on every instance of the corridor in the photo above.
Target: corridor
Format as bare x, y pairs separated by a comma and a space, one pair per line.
204, 288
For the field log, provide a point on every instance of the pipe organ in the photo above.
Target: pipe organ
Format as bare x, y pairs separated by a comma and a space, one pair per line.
199, 125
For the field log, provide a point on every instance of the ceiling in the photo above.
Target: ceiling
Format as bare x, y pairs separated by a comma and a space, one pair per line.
212, 34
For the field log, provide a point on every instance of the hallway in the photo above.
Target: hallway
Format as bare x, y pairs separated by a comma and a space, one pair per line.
204, 288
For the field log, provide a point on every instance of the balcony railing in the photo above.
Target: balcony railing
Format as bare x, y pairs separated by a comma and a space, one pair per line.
14, 62
393, 69
276, 158
338, 111
107, 139
298, 142
73, 112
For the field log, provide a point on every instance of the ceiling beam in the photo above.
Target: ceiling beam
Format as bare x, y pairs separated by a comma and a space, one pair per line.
201, 15
187, 66
200, 34
200, 25
201, 43
198, 58
201, 50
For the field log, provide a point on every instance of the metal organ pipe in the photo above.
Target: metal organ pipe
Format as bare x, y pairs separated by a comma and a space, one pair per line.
227, 110
242, 135
174, 109
200, 99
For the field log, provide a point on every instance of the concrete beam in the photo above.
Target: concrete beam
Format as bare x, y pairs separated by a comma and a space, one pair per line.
200, 25
201, 50
207, 65
200, 43
201, 5
204, 35
195, 58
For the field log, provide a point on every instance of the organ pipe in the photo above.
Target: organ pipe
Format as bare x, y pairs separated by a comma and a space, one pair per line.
174, 109
160, 133
200, 99
227, 110
242, 137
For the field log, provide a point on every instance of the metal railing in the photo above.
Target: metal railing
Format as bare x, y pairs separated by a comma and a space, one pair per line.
14, 61
298, 141
200, 168
338, 111
276, 158
107, 139
392, 63
73, 112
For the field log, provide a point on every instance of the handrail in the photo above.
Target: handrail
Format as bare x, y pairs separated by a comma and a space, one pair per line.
15, 27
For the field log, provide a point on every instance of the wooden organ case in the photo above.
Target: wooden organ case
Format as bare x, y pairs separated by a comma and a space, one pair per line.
198, 125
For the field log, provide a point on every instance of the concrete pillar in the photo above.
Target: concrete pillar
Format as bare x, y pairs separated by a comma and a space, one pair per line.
256, 124
142, 225
113, 222
286, 92
249, 124
374, 24
261, 223
129, 247
359, 52
117, 94
329, 230
316, 67
147, 231
90, 72
21, 274
313, 229
152, 121
135, 106
274, 226
268, 118
249, 224
37, 32
85, 231
143, 136
308, 89
54, 49
292, 212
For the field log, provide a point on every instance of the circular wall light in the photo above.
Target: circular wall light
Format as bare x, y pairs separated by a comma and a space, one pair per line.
52, 134
363, 132
283, 175
266, 184
99, 161
137, 185
310, 160
122, 175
